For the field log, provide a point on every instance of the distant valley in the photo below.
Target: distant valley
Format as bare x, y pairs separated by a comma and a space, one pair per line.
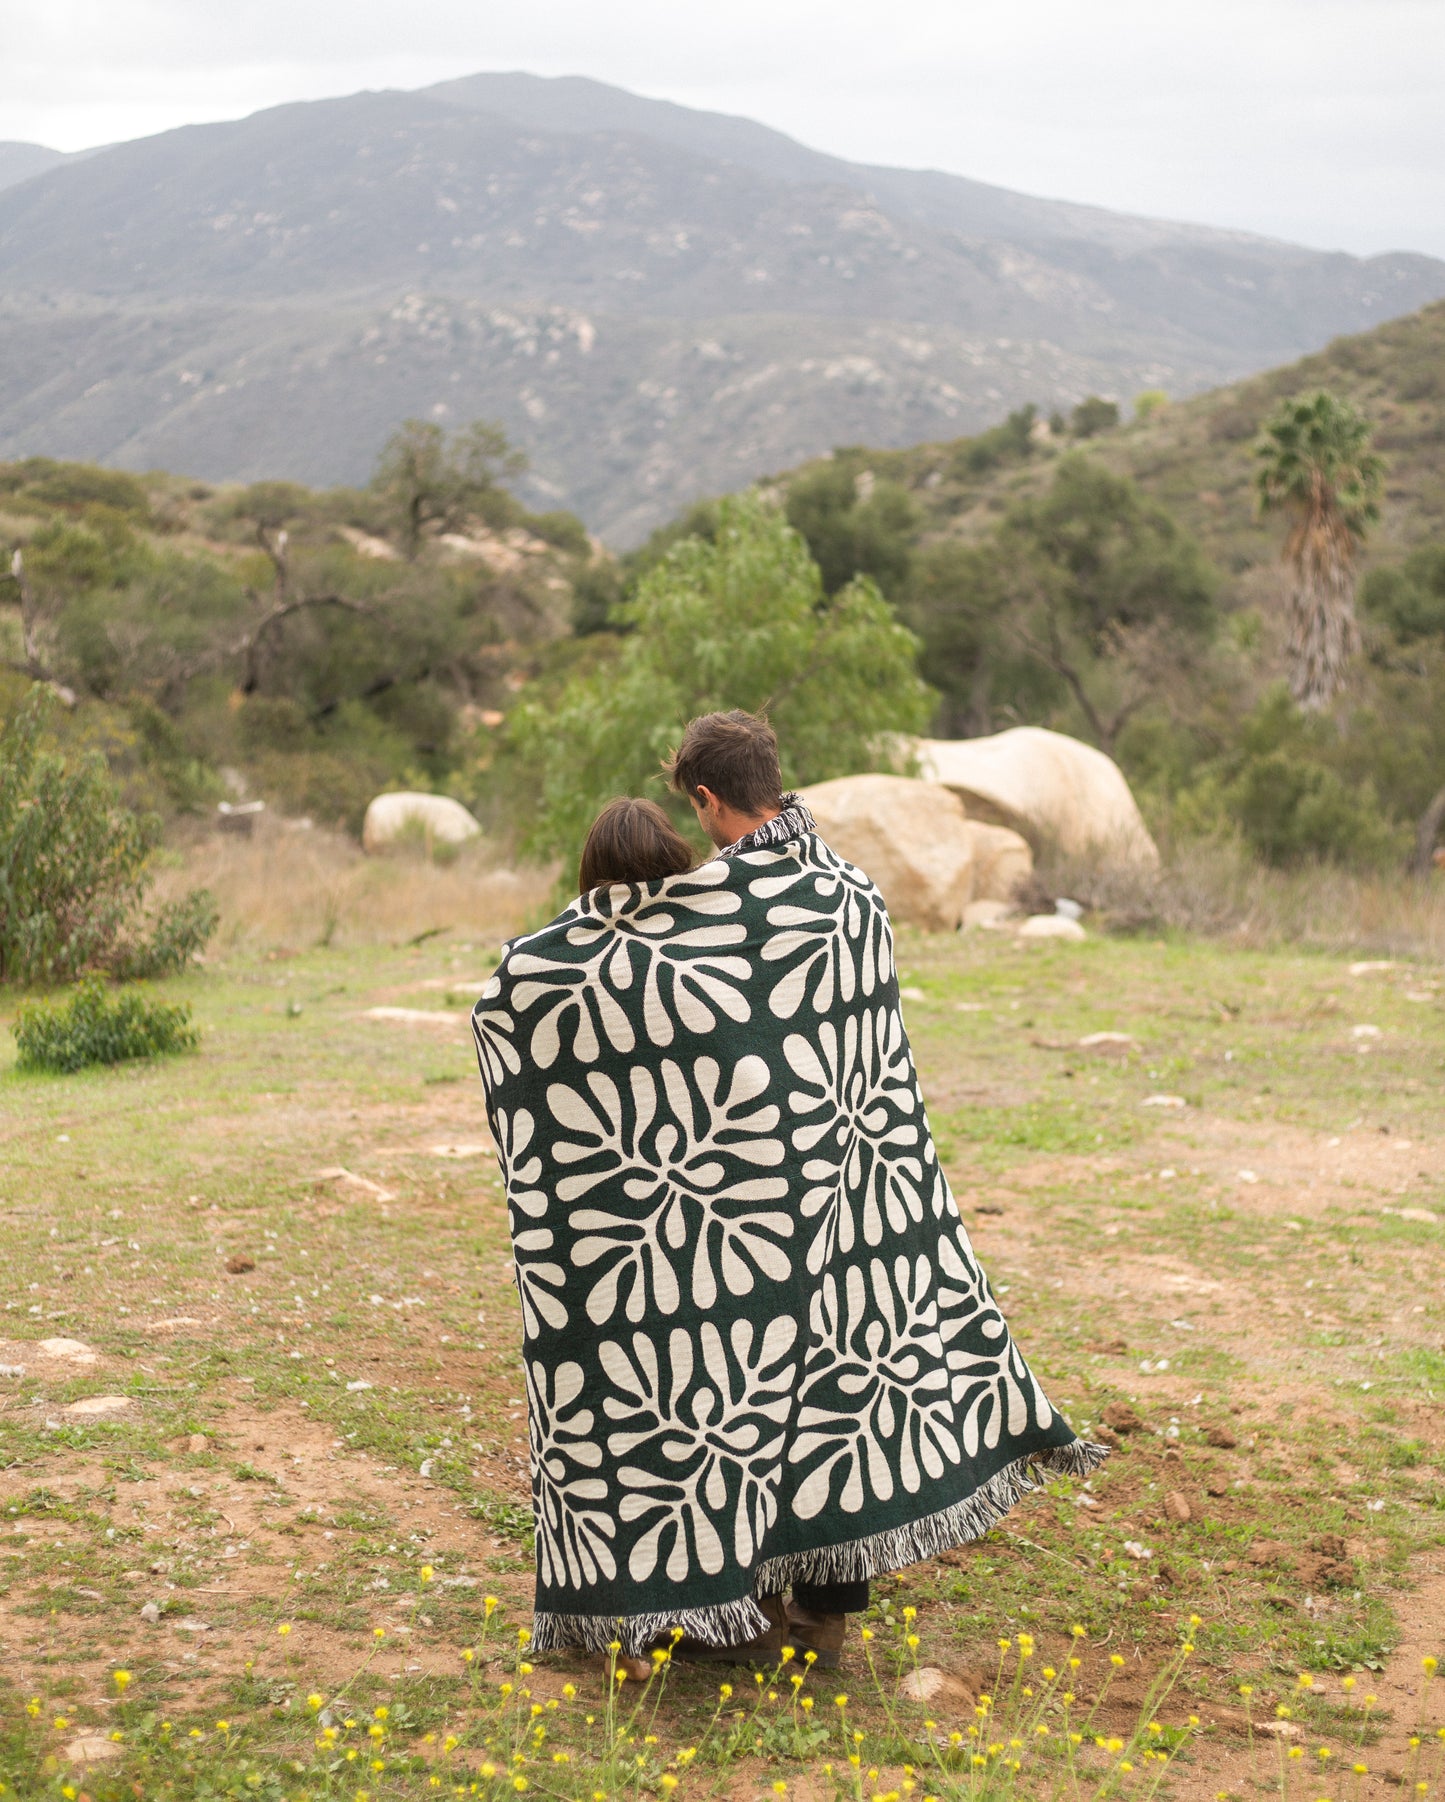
657, 303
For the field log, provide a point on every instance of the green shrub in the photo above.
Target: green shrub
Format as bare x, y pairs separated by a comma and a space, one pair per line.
73, 867
93, 1028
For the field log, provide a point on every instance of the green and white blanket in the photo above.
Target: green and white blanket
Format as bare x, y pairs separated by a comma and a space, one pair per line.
758, 1345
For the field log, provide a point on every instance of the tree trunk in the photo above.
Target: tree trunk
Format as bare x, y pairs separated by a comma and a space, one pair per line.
1426, 833
1323, 636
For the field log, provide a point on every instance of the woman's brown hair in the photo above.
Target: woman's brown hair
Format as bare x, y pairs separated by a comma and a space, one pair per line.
632, 841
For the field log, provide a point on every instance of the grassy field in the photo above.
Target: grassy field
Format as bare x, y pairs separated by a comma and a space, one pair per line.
284, 1261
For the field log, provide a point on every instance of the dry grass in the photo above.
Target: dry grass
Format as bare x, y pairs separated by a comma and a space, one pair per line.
299, 889
1216, 889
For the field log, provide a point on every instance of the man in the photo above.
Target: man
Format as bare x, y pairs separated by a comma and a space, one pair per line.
759, 1352
727, 766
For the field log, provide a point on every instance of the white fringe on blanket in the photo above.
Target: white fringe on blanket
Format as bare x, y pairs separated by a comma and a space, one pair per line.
733, 1623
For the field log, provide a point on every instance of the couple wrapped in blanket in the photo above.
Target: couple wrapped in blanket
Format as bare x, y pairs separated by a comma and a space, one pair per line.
760, 1354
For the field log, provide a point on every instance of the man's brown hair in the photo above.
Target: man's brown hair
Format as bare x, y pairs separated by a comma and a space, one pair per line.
632, 841
735, 755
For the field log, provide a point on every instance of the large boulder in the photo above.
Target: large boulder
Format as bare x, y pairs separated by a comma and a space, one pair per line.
443, 820
1048, 787
918, 844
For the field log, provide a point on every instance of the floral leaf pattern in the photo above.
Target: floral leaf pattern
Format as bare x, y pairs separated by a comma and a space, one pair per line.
754, 1328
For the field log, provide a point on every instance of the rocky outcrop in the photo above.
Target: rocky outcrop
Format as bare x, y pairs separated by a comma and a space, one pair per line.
1050, 788
918, 844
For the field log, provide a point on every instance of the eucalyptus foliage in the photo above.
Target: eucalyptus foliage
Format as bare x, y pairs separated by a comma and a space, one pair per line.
738, 620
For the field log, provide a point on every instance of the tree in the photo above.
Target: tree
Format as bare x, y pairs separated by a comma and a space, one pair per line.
1106, 592
741, 620
1316, 465
432, 480
854, 524
1093, 416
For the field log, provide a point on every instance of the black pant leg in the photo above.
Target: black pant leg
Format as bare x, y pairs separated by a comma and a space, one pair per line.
833, 1598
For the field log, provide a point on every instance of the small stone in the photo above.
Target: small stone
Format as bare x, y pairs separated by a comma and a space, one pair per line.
1122, 1418
990, 916
92, 1405
1279, 1729
191, 1625
151, 1612
198, 1442
1176, 1506
942, 1688
1107, 1041
1164, 1101
91, 1748
1051, 926
71, 1351
239, 1264
1216, 1486
1220, 1437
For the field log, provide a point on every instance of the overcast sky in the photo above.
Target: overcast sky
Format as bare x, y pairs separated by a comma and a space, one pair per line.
1317, 120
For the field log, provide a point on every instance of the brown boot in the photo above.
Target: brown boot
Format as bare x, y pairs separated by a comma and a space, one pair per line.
821, 1634
765, 1649
612, 1664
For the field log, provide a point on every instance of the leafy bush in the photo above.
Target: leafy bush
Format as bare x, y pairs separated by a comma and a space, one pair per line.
92, 1028
73, 867
1408, 598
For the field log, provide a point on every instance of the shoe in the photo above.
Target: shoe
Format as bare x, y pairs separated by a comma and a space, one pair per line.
821, 1634
765, 1649
638, 1670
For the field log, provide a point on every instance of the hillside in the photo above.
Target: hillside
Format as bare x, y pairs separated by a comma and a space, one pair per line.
1196, 456
656, 302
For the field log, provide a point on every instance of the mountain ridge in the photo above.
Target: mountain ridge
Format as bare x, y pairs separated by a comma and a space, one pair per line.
656, 302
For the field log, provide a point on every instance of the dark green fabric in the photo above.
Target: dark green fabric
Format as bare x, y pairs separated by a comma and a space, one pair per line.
758, 1347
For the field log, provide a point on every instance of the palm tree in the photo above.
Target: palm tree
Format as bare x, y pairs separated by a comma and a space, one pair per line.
1316, 463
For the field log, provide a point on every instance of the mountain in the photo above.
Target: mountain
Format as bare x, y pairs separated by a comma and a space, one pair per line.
657, 302
18, 162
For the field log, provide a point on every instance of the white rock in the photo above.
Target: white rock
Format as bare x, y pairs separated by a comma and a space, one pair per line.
1372, 966
1002, 861
1051, 926
93, 1405
1050, 788
151, 1612
1279, 1729
12, 1370
1425, 1216
72, 1351
442, 819
911, 837
1365, 1032
191, 1625
1107, 1041
1248, 1176
1164, 1101
1071, 910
